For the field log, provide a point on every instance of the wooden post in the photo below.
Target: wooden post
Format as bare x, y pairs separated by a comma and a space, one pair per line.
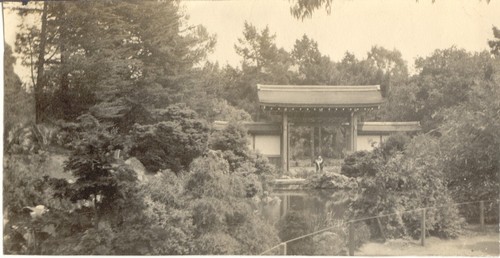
284, 142
422, 228
288, 147
285, 205
481, 215
351, 239
312, 146
381, 229
284, 248
354, 131
253, 142
319, 140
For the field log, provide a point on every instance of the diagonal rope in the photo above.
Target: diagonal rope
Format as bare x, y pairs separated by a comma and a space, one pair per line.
374, 217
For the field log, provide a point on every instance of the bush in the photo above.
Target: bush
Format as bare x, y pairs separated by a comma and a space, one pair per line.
331, 181
292, 225
395, 181
232, 143
219, 206
362, 163
172, 143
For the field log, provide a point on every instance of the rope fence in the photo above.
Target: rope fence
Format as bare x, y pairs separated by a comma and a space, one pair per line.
351, 224
283, 245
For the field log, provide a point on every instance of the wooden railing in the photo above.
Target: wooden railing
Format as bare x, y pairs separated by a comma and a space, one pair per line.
351, 242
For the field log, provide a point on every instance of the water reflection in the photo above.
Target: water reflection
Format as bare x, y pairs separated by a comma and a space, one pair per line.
296, 213
313, 203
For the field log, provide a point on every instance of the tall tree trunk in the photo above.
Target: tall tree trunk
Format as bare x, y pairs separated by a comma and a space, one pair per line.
38, 87
65, 101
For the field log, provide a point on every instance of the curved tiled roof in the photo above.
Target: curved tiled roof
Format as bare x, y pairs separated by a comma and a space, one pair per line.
319, 96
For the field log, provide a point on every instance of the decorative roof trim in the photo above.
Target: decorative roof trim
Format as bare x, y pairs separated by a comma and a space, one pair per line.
319, 96
321, 88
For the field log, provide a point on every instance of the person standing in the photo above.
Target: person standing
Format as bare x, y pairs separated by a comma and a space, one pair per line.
319, 164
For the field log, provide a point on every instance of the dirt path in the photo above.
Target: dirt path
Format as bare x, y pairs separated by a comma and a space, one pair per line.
472, 243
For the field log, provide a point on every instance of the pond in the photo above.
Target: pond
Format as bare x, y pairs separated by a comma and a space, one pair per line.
299, 212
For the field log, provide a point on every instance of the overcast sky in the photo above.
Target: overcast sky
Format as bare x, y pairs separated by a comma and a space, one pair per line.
414, 28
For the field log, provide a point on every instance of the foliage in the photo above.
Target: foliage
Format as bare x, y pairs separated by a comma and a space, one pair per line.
292, 225
23, 183
219, 208
305, 8
361, 163
17, 109
469, 148
302, 9
27, 182
330, 181
165, 212
232, 142
395, 182
172, 143
221, 110
99, 178
444, 80
92, 52
313, 67
263, 62
394, 143
495, 43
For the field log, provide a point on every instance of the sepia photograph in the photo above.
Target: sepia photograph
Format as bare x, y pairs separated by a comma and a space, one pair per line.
251, 127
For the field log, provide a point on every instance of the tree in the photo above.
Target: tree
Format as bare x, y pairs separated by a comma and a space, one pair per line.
391, 64
469, 148
44, 49
495, 43
313, 67
292, 225
99, 178
302, 9
92, 51
393, 181
173, 142
18, 108
263, 62
392, 73
222, 216
445, 79
305, 8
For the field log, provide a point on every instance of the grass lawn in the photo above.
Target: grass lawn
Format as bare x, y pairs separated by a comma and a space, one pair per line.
472, 243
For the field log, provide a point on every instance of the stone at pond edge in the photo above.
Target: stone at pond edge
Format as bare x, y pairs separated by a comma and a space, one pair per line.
328, 243
331, 181
137, 167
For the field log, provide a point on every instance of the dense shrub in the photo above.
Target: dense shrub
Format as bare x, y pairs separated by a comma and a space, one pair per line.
217, 200
330, 181
292, 225
361, 163
172, 143
232, 142
394, 182
469, 149
395, 143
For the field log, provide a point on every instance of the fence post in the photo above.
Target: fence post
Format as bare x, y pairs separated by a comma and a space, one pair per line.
351, 239
381, 229
481, 215
422, 227
284, 248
